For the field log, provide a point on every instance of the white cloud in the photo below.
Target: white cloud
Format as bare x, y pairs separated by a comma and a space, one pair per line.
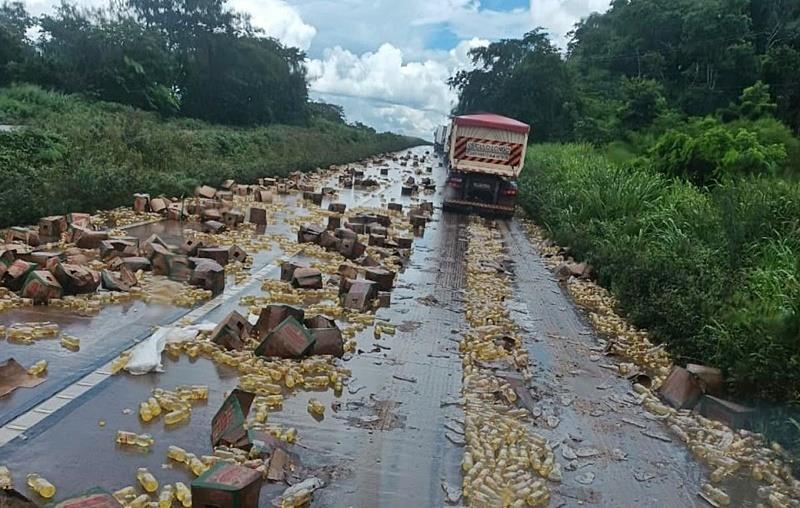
387, 61
278, 19
383, 89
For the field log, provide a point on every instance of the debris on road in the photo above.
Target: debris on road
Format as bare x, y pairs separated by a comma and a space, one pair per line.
13, 376
492, 420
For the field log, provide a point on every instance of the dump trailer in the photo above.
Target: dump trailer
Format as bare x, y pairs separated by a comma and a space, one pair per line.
440, 139
485, 156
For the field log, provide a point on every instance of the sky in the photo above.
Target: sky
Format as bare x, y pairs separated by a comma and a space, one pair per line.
387, 61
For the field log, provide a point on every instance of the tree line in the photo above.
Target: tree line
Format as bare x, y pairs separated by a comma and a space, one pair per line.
192, 58
716, 77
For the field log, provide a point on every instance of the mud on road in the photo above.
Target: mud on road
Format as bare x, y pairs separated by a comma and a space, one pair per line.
397, 433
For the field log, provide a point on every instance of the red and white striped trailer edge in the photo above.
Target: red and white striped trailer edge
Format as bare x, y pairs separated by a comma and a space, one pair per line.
488, 143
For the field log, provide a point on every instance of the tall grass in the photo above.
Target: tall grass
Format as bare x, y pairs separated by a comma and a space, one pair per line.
715, 274
75, 155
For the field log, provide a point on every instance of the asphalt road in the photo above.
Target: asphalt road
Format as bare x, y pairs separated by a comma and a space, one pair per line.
385, 444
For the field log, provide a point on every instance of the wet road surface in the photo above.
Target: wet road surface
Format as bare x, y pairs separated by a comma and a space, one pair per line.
385, 443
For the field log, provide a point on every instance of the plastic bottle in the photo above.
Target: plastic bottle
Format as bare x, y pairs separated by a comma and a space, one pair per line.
126, 438
166, 497
176, 416
716, 495
146, 479
176, 453
316, 407
145, 440
155, 407
70, 342
119, 363
183, 494
125, 494
5, 478
144, 412
38, 368
196, 465
140, 502
41, 486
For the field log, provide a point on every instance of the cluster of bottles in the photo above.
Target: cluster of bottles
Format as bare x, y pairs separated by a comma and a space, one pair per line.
504, 463
725, 451
9, 300
174, 404
130, 497
83, 305
28, 333
381, 328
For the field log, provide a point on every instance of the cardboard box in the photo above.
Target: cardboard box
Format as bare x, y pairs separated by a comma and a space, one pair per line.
174, 266
328, 241
404, 242
359, 295
263, 196
309, 233
141, 203
191, 245
233, 218
337, 207
113, 282
209, 275
334, 223
288, 268
290, 339
159, 205
42, 257
205, 191
41, 286
92, 498
396, 207
307, 278
227, 426
227, 486
209, 214
272, 315
136, 263
23, 235
680, 390
381, 276
219, 254
730, 413
17, 273
232, 332
51, 227
213, 226
257, 215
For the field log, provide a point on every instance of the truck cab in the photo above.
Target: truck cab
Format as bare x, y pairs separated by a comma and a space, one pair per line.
486, 153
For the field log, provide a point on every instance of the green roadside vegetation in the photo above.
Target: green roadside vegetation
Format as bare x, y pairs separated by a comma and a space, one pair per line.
74, 155
671, 163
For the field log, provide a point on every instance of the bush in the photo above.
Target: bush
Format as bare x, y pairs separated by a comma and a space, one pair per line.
79, 156
706, 151
714, 274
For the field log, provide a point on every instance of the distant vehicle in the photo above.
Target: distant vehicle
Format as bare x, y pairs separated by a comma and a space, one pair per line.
440, 138
485, 156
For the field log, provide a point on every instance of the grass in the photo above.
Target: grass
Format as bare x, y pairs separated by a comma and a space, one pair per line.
75, 155
712, 274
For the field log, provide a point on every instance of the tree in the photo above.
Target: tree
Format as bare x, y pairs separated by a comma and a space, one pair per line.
109, 56
244, 80
523, 78
643, 103
755, 102
14, 44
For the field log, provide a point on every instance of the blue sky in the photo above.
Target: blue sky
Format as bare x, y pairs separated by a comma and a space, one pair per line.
387, 61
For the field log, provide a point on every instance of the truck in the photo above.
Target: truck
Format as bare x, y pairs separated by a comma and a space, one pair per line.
485, 155
440, 138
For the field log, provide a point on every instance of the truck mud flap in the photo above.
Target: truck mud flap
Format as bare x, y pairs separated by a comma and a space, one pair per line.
459, 206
